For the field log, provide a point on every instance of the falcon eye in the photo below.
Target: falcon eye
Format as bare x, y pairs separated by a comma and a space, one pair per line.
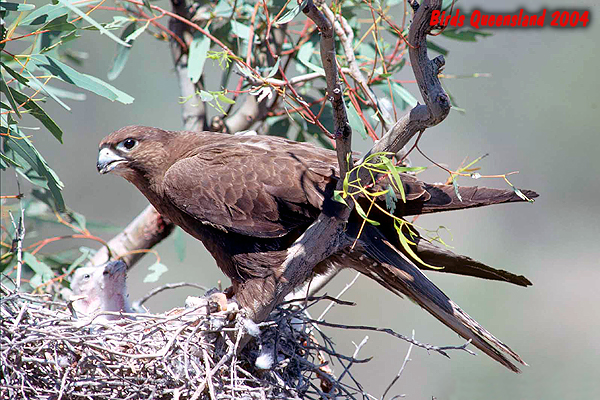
87, 276
127, 144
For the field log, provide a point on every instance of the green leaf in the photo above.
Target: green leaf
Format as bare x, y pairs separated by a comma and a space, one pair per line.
225, 99
157, 270
41, 269
247, 72
8, 162
122, 54
16, 7
240, 30
78, 218
362, 213
434, 47
88, 19
290, 15
34, 168
338, 196
179, 239
390, 199
406, 245
44, 14
21, 79
148, 6
67, 74
135, 34
35, 83
37, 112
305, 54
275, 69
197, 56
205, 96
11, 100
404, 94
85, 254
59, 24
464, 34
355, 122
395, 176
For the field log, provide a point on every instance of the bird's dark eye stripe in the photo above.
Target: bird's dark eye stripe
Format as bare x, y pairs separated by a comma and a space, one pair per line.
129, 143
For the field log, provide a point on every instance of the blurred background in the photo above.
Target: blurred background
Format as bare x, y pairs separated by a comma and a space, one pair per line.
537, 113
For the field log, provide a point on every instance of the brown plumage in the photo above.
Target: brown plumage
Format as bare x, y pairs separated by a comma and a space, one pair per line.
248, 198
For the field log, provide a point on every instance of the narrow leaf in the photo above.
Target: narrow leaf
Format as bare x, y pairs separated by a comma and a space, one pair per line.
37, 112
21, 79
38, 267
44, 14
16, 7
390, 199
157, 269
362, 213
67, 74
122, 54
275, 69
180, 248
337, 196
11, 100
290, 15
197, 57
88, 19
355, 122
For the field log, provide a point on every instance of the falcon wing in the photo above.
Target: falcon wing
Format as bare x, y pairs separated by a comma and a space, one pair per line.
255, 187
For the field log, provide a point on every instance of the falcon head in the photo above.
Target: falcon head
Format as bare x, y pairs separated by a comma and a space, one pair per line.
133, 151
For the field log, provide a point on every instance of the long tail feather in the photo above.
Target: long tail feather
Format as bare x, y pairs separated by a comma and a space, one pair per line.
444, 198
400, 275
463, 265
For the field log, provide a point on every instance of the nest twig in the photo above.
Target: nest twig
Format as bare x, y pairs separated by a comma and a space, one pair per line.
185, 353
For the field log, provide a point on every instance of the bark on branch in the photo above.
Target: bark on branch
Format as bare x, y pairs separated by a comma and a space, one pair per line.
327, 235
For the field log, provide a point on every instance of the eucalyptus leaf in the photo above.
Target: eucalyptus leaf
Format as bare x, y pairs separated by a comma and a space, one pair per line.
40, 268
91, 21
122, 54
44, 14
355, 121
34, 168
157, 269
197, 56
67, 74
16, 7
37, 112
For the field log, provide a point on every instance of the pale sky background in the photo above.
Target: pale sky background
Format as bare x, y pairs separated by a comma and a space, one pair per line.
537, 113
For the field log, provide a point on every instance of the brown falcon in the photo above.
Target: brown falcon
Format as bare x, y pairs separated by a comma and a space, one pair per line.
248, 198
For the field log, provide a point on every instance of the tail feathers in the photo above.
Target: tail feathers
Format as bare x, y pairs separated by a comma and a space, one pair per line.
399, 275
437, 198
463, 265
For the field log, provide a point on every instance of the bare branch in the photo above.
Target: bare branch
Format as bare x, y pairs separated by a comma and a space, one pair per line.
193, 111
327, 235
145, 231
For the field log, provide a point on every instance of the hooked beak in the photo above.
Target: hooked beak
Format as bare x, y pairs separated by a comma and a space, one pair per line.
108, 160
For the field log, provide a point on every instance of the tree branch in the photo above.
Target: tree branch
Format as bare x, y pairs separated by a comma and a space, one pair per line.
144, 232
327, 235
194, 115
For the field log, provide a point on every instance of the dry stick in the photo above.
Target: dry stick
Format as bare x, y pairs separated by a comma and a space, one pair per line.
406, 360
145, 231
157, 290
326, 236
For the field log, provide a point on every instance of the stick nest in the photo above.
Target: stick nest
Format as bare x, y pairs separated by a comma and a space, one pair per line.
187, 353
